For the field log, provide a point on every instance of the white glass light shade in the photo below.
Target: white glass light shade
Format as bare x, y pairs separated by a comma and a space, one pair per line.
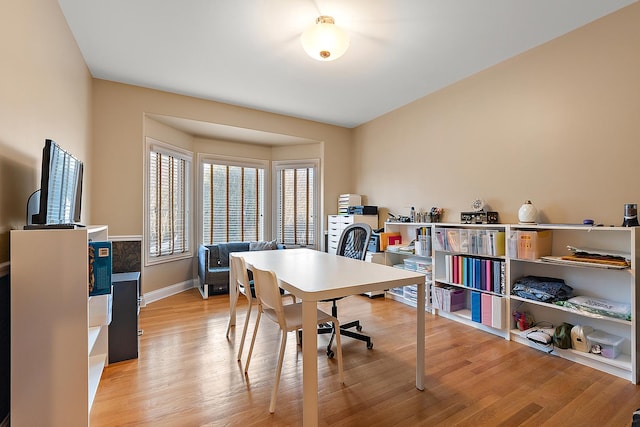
324, 41
527, 213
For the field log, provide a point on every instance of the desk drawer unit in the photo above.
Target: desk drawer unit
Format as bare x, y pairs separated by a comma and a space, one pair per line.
337, 223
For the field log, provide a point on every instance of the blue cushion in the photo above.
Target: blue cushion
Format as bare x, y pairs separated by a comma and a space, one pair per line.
263, 246
224, 249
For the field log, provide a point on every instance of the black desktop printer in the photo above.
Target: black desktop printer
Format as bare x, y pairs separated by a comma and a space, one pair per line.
362, 210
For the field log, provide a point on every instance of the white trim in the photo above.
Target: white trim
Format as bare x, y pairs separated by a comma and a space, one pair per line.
168, 149
277, 165
172, 150
232, 160
167, 291
206, 158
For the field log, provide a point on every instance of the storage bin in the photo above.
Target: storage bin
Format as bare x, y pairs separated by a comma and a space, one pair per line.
457, 240
410, 264
608, 345
533, 244
448, 298
423, 265
397, 291
411, 293
100, 310
439, 240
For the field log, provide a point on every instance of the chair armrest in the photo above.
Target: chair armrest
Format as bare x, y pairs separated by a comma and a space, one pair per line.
203, 262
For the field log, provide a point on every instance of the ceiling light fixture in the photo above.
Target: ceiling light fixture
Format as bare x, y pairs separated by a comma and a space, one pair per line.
325, 41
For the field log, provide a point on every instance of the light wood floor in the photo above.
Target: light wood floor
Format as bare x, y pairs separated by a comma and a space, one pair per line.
187, 375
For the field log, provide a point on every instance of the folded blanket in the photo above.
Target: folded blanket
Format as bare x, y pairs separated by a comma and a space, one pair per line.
598, 307
543, 289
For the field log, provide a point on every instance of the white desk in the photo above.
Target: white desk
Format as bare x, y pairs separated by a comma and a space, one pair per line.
313, 276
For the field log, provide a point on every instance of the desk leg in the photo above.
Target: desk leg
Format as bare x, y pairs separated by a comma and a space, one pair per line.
309, 364
420, 331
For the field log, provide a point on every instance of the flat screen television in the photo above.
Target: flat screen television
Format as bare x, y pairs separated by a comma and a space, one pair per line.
59, 199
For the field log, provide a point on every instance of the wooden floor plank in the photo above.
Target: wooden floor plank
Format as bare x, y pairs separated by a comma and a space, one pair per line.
187, 375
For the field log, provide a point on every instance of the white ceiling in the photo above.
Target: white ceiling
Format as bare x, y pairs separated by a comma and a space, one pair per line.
248, 52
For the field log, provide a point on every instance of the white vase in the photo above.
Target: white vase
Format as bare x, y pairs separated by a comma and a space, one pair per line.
527, 213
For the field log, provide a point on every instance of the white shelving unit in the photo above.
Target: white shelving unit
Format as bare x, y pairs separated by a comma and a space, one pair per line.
59, 339
408, 233
610, 284
618, 285
472, 251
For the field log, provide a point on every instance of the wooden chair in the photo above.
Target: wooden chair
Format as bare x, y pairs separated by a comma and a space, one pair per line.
245, 287
287, 317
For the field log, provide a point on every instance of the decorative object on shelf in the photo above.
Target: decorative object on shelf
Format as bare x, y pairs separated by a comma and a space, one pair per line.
479, 217
435, 214
527, 213
324, 41
630, 215
579, 338
478, 205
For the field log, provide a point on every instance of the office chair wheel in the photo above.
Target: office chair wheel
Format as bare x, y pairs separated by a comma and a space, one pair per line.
330, 354
369, 346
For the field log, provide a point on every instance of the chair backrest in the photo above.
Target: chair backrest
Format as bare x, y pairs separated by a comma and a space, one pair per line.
240, 272
354, 241
268, 294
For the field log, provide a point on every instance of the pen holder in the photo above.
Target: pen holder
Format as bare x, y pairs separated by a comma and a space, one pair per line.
423, 246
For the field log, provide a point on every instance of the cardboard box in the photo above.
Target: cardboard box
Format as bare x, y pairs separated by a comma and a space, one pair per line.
532, 245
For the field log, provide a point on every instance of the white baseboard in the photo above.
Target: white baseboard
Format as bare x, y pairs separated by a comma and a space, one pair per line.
159, 294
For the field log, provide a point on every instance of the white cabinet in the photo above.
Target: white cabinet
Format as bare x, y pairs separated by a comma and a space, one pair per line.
57, 358
337, 223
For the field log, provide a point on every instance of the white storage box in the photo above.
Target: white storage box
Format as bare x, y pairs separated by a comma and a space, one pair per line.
100, 310
605, 344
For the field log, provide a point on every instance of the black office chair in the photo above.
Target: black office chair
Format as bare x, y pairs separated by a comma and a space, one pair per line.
353, 243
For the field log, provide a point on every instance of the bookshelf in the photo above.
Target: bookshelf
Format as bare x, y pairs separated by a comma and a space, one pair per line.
594, 281
59, 335
399, 258
469, 259
604, 283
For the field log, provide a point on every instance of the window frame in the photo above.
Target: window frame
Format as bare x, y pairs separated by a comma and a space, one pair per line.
245, 162
277, 166
154, 145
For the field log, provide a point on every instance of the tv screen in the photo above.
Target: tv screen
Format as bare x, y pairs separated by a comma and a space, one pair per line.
60, 187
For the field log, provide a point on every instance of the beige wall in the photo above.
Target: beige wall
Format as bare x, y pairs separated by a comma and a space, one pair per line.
559, 124
45, 92
119, 129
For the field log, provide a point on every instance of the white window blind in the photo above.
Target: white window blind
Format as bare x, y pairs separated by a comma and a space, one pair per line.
295, 216
232, 202
169, 176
